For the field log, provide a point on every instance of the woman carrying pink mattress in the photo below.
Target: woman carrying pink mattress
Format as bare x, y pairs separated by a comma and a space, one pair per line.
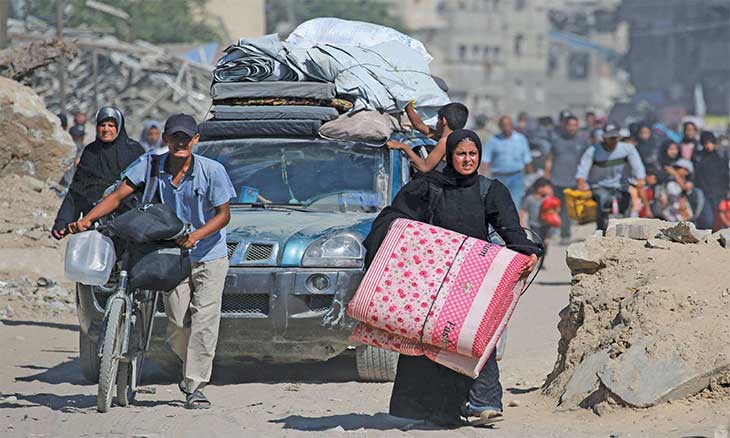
452, 199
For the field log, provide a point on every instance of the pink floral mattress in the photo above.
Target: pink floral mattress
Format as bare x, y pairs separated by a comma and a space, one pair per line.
436, 292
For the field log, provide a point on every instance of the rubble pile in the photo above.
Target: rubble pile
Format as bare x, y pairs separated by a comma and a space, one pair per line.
648, 319
33, 142
33, 151
25, 296
143, 80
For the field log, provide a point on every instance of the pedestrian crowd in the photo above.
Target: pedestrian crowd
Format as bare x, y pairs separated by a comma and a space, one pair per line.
639, 172
643, 171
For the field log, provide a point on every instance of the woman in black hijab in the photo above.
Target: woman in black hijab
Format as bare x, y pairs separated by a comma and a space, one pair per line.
451, 199
100, 166
646, 145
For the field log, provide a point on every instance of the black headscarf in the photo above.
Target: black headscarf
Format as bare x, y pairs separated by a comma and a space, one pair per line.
449, 177
647, 148
664, 159
453, 201
100, 166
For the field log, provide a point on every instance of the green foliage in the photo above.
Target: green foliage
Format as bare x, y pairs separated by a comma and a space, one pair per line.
373, 11
156, 21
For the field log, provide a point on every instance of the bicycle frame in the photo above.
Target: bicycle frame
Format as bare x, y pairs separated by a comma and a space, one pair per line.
132, 303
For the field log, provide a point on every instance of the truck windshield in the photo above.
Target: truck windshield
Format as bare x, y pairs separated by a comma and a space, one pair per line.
313, 174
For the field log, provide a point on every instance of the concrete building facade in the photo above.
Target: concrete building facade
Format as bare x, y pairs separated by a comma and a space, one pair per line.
506, 56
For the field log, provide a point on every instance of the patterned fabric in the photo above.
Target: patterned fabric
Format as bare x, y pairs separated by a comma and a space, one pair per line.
436, 292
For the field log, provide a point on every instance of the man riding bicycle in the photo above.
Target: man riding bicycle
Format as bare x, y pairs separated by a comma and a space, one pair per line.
602, 169
199, 190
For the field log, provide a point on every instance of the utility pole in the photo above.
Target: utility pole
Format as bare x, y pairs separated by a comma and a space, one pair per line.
60, 6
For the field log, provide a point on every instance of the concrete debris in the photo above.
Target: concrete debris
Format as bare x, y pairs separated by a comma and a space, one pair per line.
26, 293
33, 141
636, 228
684, 232
635, 331
657, 244
20, 61
143, 80
721, 237
585, 257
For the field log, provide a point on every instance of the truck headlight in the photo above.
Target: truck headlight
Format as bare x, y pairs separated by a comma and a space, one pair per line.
338, 251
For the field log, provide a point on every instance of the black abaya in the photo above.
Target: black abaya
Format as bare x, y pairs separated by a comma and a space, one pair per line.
423, 389
100, 166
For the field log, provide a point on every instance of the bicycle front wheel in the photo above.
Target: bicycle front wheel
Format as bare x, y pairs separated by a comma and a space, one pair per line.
111, 350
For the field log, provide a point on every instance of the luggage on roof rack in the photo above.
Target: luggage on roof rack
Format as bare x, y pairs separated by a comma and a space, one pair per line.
291, 112
245, 90
239, 129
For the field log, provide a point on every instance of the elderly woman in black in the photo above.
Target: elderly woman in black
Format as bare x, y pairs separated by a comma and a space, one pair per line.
100, 166
458, 199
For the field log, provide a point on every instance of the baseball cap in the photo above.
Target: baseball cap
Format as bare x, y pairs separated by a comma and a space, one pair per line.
181, 123
612, 130
685, 164
566, 114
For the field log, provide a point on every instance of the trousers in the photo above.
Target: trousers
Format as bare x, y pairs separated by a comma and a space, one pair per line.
193, 317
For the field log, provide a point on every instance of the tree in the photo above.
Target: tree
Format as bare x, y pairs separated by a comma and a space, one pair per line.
156, 21
294, 12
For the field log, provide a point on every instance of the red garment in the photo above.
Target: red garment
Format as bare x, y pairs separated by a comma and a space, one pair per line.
646, 211
549, 209
722, 216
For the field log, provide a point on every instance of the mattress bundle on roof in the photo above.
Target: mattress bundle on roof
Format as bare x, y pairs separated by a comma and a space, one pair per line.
343, 66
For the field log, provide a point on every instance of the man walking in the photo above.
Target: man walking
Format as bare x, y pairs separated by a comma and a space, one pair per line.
564, 153
507, 156
199, 190
602, 169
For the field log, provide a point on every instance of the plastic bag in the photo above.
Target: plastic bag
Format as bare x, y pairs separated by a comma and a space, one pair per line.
330, 30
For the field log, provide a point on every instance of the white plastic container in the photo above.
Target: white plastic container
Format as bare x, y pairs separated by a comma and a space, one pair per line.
90, 258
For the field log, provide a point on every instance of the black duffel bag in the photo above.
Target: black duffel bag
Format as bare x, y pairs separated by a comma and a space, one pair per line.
158, 266
147, 223
157, 263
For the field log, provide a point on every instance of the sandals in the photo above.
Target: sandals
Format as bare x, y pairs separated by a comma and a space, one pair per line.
487, 418
197, 400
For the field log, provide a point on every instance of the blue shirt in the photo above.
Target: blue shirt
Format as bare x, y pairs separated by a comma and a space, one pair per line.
507, 154
602, 168
205, 187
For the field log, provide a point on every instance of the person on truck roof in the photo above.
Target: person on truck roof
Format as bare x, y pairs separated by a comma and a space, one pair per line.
199, 190
451, 117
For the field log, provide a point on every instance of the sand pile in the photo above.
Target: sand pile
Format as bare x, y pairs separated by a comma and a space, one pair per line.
648, 319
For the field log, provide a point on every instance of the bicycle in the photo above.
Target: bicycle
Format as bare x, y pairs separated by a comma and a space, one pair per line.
125, 338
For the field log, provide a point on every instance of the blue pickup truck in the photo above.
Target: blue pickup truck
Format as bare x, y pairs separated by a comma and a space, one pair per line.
304, 206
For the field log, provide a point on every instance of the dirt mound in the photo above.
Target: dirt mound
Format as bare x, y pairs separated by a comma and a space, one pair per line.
27, 209
33, 142
648, 321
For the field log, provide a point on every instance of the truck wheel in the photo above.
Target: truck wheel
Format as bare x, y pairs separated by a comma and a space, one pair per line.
375, 364
89, 358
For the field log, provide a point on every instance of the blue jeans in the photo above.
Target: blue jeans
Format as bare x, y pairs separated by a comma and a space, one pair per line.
515, 183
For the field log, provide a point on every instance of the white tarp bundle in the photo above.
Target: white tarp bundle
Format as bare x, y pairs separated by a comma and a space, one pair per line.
330, 30
377, 70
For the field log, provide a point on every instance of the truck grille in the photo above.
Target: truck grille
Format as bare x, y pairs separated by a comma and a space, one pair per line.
259, 252
231, 249
238, 304
319, 303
